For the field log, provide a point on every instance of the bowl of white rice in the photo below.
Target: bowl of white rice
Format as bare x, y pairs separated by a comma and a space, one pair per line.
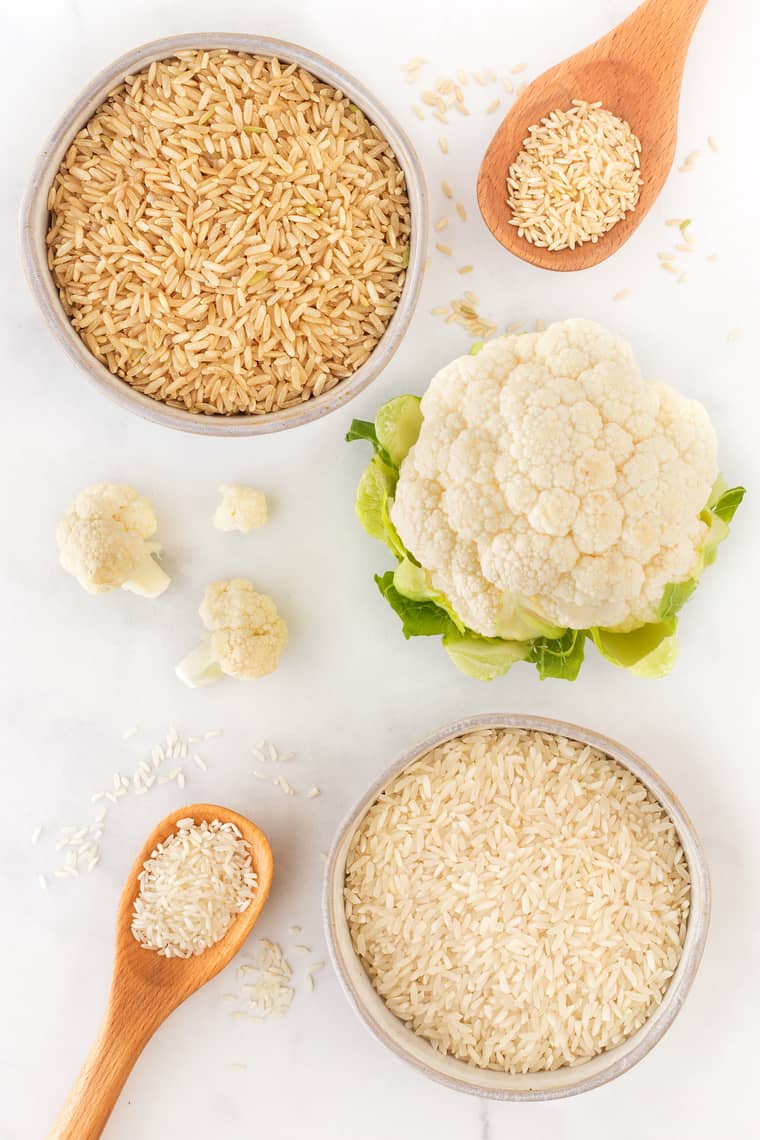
517, 908
226, 233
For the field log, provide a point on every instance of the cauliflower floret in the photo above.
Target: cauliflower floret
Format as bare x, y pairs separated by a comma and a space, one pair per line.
562, 481
246, 635
241, 508
103, 542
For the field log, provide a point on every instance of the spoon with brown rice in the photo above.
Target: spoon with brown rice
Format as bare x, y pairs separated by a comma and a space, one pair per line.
584, 152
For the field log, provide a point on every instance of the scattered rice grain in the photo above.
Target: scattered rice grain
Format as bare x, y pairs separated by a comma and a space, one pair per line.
688, 162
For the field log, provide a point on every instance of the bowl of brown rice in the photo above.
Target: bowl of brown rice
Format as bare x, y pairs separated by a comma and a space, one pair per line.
517, 908
226, 233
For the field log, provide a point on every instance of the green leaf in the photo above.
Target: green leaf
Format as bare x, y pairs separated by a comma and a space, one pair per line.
476, 347
397, 427
559, 657
649, 651
392, 538
376, 485
517, 623
676, 596
728, 503
720, 510
721, 507
484, 658
419, 619
412, 582
363, 429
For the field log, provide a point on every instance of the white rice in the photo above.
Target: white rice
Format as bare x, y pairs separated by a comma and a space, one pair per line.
519, 900
192, 888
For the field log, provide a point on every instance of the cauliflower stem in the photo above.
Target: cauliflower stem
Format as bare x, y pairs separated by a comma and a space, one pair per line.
200, 666
646, 649
147, 578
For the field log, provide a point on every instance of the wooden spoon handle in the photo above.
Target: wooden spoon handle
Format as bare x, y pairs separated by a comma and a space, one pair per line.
659, 30
117, 1046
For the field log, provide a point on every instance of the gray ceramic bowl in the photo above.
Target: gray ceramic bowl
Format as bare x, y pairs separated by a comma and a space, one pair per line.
34, 224
457, 1075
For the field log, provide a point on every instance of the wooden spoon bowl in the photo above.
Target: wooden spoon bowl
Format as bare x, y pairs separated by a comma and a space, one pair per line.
635, 72
147, 987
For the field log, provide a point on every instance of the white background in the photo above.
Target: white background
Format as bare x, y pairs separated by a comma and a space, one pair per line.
76, 670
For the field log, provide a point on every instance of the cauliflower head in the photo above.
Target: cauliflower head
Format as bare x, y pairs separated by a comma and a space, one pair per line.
548, 473
246, 635
103, 541
540, 495
241, 508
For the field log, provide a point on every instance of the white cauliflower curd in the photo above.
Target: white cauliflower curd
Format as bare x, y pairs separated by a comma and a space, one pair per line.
549, 473
103, 541
242, 508
245, 639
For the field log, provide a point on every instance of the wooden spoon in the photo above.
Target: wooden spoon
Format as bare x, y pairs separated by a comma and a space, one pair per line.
635, 71
147, 987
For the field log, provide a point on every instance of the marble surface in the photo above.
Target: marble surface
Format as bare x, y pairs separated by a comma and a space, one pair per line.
77, 671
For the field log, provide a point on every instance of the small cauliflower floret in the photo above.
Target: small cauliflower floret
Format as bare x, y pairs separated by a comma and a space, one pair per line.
241, 508
103, 542
246, 635
562, 481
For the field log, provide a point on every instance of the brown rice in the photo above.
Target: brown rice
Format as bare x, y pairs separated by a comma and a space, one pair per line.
576, 177
229, 234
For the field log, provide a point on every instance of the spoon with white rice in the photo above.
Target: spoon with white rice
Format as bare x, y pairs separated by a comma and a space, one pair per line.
190, 902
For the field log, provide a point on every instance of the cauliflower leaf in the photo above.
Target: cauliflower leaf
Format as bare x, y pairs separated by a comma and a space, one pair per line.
560, 657
398, 426
418, 618
363, 429
484, 658
719, 512
649, 651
